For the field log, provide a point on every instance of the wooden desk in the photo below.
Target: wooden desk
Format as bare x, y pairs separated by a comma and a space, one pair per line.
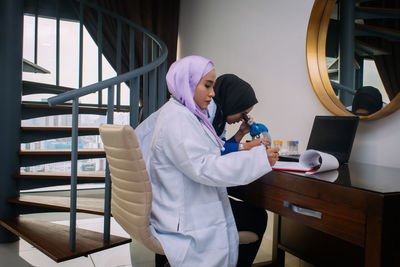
353, 221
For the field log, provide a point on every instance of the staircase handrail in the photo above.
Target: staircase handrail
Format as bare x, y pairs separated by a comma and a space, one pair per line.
67, 96
62, 98
342, 87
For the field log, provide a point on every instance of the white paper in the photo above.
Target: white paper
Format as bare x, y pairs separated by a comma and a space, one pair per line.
310, 160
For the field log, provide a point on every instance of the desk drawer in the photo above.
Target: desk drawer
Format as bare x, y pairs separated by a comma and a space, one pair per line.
317, 247
337, 220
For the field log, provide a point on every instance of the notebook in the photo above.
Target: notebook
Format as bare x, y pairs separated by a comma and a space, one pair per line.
333, 135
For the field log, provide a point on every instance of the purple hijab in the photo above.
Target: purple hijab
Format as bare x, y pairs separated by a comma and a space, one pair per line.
182, 79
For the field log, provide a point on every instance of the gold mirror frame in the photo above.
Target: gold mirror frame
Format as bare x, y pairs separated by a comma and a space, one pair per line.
316, 64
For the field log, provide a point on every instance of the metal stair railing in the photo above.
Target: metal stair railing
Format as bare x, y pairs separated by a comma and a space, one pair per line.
155, 69
151, 48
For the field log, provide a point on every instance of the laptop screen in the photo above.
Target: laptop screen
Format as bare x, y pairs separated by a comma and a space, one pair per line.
334, 135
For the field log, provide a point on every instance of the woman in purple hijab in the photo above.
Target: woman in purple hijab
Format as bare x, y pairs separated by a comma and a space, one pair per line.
191, 215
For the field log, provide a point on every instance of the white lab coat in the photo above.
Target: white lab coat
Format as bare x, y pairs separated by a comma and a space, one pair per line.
191, 215
144, 132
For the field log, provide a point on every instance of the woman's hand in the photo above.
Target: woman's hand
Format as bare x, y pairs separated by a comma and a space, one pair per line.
243, 129
255, 142
273, 155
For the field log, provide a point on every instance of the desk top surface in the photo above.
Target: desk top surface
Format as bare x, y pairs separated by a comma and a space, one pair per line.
362, 176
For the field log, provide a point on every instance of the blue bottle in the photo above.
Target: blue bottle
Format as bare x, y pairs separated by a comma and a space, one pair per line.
257, 129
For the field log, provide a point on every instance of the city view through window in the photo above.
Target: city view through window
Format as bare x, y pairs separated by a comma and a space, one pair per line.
69, 62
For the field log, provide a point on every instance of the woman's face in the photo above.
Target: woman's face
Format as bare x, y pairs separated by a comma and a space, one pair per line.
237, 117
205, 90
362, 112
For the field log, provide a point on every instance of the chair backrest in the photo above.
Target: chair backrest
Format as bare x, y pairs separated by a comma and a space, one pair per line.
131, 192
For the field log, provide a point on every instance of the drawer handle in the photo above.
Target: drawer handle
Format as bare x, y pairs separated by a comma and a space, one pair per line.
307, 212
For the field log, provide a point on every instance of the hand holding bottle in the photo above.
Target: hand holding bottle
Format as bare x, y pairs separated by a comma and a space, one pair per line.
273, 155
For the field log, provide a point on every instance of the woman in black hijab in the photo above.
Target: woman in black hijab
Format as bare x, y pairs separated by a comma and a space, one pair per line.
366, 101
233, 98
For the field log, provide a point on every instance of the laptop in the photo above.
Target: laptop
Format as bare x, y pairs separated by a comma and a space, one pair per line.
333, 135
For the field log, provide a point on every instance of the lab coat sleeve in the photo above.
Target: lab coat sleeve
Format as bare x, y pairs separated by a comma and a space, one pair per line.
230, 146
187, 145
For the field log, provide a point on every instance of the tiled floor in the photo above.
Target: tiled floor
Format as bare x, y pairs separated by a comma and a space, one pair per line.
22, 254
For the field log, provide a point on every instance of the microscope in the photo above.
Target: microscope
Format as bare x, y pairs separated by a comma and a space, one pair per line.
257, 130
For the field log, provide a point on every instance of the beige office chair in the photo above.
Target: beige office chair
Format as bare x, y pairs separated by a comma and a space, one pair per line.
131, 193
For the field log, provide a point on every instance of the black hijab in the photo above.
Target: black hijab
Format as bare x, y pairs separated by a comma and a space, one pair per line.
368, 98
232, 95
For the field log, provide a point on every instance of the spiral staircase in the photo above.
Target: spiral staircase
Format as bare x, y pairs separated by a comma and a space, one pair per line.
144, 85
361, 30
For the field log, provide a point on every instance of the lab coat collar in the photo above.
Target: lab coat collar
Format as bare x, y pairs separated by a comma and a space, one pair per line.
202, 125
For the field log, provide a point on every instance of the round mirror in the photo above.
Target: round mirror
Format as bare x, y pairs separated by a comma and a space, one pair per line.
353, 45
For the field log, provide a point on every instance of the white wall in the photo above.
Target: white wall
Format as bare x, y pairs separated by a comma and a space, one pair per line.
263, 42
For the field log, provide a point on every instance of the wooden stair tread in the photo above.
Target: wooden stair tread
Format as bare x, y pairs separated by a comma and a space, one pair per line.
379, 31
89, 151
44, 105
383, 9
31, 87
53, 239
41, 133
377, 12
84, 204
92, 176
47, 85
82, 107
377, 28
369, 50
51, 128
